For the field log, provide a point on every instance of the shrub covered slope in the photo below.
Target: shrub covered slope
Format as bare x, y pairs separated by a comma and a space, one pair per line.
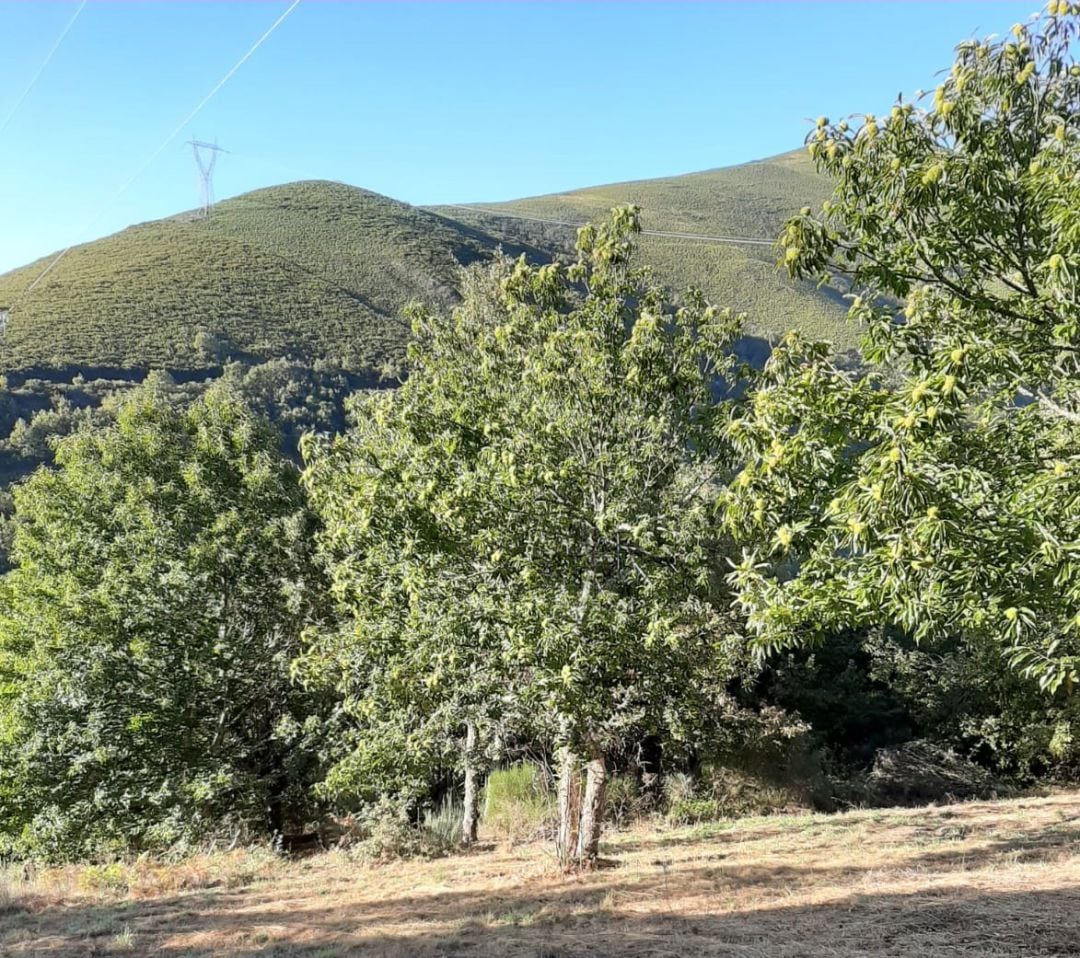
310, 269
322, 270
749, 201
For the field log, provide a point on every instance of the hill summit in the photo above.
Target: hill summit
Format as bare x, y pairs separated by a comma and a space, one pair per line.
319, 269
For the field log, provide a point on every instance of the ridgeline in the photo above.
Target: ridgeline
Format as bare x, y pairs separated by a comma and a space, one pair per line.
320, 270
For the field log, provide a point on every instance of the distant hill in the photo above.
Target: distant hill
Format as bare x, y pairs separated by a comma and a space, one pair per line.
309, 269
750, 201
317, 269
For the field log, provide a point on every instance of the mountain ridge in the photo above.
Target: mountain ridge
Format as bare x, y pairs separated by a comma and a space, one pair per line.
322, 269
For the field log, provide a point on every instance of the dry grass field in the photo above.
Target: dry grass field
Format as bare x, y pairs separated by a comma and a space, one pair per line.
984, 879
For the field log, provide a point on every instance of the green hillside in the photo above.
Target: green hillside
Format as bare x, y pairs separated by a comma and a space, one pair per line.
311, 269
748, 201
322, 270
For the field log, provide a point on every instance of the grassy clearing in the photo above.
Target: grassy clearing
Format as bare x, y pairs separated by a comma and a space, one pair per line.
985, 878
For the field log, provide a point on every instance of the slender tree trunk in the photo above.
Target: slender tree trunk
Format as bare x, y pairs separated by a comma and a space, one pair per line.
569, 801
592, 809
470, 819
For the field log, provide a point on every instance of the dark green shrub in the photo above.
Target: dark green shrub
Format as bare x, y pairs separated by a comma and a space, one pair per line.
625, 802
694, 811
919, 772
162, 578
386, 831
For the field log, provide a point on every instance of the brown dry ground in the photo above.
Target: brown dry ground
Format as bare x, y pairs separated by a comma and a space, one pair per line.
980, 879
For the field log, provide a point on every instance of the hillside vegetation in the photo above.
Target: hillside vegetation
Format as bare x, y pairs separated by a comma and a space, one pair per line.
322, 270
311, 269
749, 201
586, 577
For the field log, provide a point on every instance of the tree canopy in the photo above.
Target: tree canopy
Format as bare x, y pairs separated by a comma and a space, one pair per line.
937, 490
560, 532
161, 579
532, 512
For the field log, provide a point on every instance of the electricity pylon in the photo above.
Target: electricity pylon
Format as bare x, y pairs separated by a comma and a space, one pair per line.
206, 171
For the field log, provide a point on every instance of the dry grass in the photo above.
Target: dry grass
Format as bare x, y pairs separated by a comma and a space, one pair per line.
980, 879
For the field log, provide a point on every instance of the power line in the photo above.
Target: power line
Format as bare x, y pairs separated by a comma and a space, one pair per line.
736, 240
701, 237
41, 69
165, 143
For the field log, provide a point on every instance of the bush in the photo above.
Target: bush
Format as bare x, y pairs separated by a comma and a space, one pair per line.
113, 877
163, 575
388, 833
444, 821
722, 792
762, 760
518, 804
738, 793
852, 707
680, 799
921, 771
625, 803
693, 811
964, 696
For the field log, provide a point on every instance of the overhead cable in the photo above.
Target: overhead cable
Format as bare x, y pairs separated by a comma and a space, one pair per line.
165, 143
701, 237
41, 69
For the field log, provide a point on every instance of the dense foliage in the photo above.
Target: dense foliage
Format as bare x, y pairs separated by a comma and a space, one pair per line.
557, 545
938, 492
530, 514
161, 579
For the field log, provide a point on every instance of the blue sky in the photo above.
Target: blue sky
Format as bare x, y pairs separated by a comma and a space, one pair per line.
431, 102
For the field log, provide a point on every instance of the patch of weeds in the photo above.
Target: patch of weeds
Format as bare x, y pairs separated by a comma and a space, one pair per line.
625, 803
124, 940
387, 834
692, 811
724, 795
518, 917
518, 804
99, 925
113, 877
10, 903
444, 822
705, 830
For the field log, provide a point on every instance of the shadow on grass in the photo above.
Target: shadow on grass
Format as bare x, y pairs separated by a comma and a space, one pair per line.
929, 823
943, 922
704, 906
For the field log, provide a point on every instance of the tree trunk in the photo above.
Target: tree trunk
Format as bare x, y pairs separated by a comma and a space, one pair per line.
470, 819
592, 809
569, 800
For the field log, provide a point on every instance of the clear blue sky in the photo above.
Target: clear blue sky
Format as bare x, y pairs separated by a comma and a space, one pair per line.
432, 102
